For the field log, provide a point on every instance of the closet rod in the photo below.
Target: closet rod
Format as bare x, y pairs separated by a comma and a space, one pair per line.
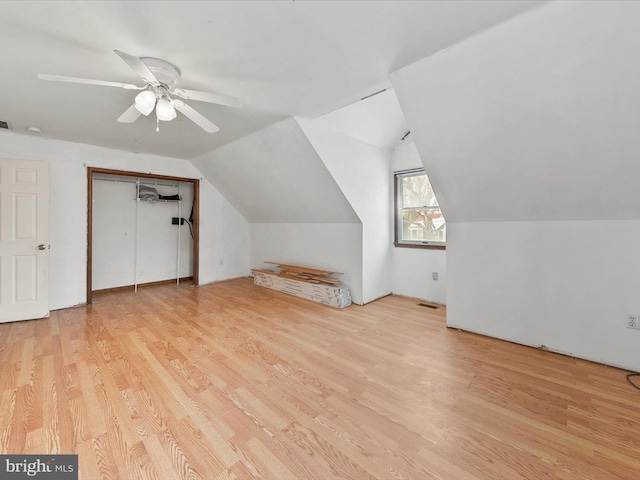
155, 184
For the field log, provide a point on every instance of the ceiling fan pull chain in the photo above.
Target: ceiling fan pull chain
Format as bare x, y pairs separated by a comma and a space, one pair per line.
157, 124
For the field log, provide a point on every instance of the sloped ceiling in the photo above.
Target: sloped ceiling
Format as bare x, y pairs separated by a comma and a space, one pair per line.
377, 120
275, 176
535, 119
281, 58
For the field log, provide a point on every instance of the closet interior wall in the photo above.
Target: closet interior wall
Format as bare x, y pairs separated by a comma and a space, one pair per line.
134, 241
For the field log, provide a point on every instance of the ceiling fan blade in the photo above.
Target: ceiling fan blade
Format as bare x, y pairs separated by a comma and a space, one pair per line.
139, 67
130, 115
204, 123
207, 97
88, 81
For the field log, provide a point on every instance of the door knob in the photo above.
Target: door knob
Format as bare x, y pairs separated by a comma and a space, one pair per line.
42, 246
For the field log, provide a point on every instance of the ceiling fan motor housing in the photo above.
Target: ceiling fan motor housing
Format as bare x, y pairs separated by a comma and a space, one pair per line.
160, 78
166, 73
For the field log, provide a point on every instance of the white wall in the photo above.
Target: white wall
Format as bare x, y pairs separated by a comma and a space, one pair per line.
412, 268
362, 173
224, 237
275, 176
224, 233
322, 245
565, 285
532, 121
114, 234
412, 272
298, 213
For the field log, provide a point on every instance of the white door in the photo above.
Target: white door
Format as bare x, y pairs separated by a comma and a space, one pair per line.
24, 240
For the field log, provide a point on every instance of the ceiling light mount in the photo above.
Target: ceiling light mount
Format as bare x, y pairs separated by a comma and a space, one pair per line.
164, 72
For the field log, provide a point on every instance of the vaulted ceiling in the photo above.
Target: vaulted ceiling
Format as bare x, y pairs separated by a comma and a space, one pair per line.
536, 119
282, 59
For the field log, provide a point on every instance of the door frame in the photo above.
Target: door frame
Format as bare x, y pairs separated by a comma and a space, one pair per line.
196, 217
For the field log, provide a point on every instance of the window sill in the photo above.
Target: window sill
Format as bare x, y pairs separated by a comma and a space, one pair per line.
420, 245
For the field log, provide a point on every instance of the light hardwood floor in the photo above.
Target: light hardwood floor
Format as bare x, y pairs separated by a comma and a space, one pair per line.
234, 381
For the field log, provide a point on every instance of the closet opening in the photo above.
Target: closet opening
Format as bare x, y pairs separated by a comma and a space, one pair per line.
142, 228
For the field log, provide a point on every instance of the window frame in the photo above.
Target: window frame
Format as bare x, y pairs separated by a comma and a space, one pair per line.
397, 217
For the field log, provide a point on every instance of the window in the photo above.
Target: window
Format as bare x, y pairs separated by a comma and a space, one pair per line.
419, 221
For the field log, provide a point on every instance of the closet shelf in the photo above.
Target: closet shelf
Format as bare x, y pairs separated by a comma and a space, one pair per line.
148, 200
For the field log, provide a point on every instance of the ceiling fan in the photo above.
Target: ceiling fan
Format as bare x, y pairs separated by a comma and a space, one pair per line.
160, 78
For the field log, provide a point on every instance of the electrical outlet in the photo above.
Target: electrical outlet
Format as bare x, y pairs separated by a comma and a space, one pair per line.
177, 221
632, 321
434, 275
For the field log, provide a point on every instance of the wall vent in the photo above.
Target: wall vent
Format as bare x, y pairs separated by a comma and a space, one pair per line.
429, 305
5, 125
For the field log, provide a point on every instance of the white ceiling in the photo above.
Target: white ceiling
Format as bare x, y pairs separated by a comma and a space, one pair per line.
547, 129
377, 120
281, 58
276, 176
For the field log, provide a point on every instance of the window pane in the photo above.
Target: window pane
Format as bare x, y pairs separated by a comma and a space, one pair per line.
417, 192
419, 218
423, 225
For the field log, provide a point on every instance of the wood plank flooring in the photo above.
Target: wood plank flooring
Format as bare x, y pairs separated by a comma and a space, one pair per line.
234, 381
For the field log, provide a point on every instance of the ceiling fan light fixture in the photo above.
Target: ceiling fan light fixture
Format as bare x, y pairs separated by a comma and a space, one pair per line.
160, 78
165, 111
145, 101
